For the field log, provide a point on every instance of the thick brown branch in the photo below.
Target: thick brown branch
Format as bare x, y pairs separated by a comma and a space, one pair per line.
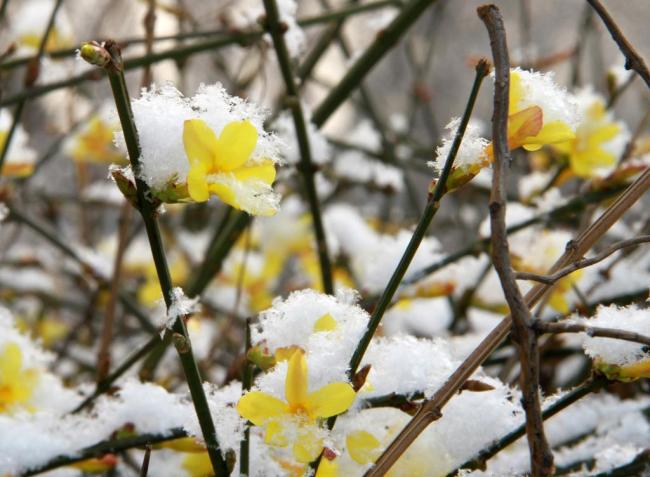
585, 262
541, 457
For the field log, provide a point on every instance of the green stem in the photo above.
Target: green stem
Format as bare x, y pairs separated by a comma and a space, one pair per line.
222, 242
247, 383
115, 72
108, 447
369, 59
430, 210
306, 165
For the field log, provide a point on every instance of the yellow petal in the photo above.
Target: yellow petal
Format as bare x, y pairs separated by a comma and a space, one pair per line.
327, 468
558, 302
183, 444
235, 146
516, 92
11, 363
226, 194
274, 435
97, 464
296, 385
200, 142
330, 400
325, 323
524, 124
307, 447
258, 407
604, 133
263, 171
636, 370
197, 182
285, 353
551, 133
584, 164
363, 447
198, 465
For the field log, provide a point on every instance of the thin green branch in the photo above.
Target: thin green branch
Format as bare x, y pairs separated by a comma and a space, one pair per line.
109, 58
108, 447
482, 69
306, 164
247, 383
369, 59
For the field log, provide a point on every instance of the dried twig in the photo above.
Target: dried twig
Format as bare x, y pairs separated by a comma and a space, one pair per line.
633, 61
306, 165
541, 457
431, 409
562, 327
585, 262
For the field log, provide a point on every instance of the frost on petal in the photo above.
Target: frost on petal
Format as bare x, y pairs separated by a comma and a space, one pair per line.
160, 114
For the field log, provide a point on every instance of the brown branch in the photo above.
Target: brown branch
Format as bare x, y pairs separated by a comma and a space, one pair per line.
541, 456
633, 61
560, 327
585, 262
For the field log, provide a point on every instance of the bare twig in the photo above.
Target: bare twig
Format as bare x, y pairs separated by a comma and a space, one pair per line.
144, 470
592, 384
633, 61
585, 262
306, 165
149, 23
108, 447
561, 327
541, 457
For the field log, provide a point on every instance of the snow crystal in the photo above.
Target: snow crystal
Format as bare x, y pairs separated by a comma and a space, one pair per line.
472, 147
613, 351
320, 149
540, 89
291, 323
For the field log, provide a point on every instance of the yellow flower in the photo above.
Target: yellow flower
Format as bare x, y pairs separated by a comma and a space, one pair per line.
16, 384
95, 144
526, 125
585, 152
223, 167
302, 409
